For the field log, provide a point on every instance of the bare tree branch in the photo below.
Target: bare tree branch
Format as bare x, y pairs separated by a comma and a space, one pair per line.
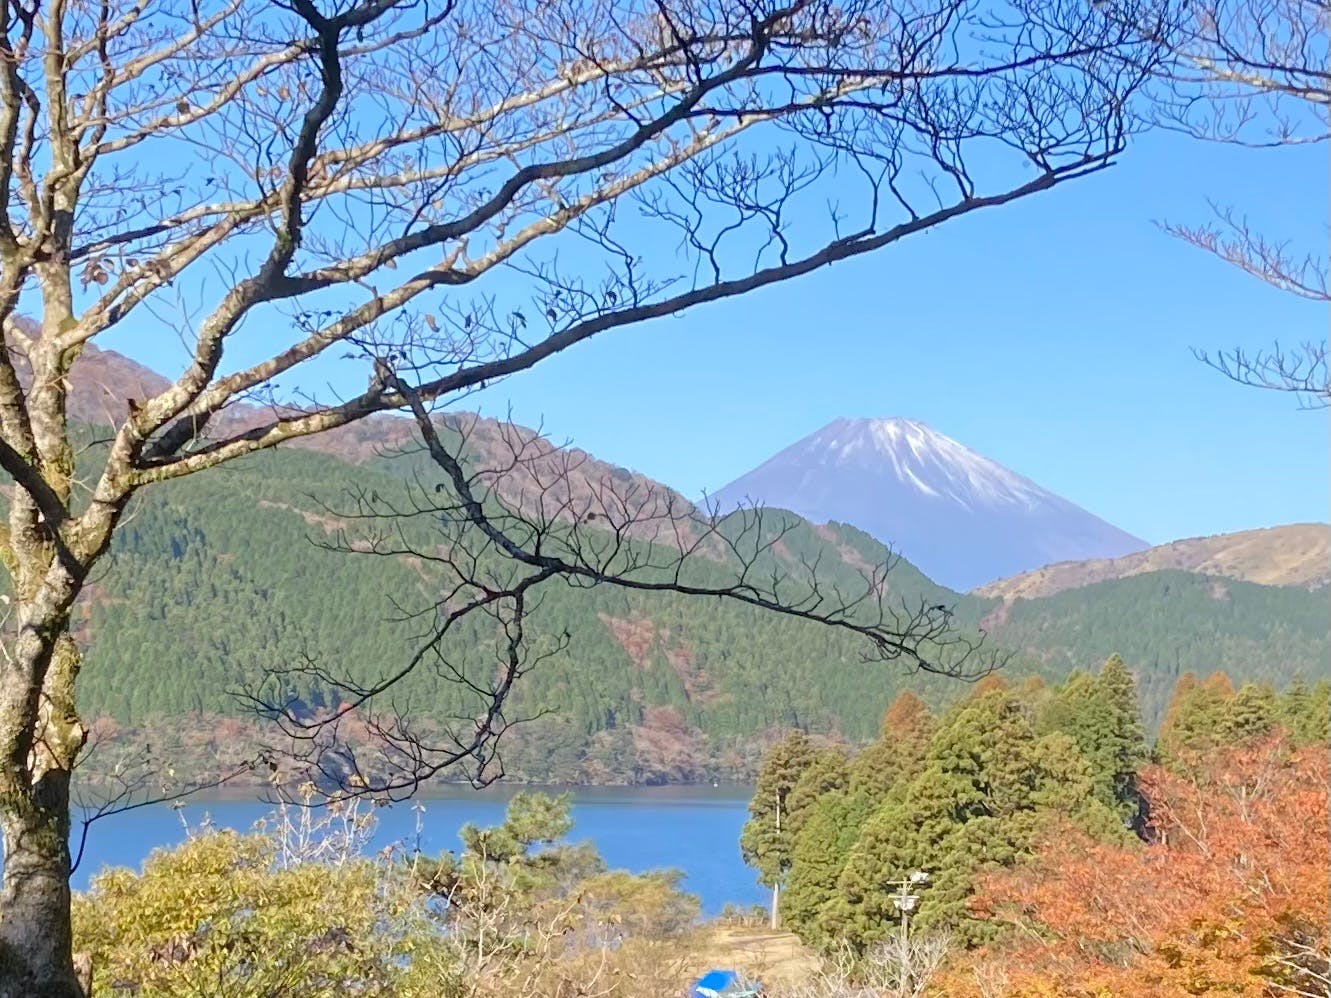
508, 529
1256, 73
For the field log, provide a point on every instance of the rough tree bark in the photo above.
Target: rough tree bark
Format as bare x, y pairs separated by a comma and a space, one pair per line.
351, 176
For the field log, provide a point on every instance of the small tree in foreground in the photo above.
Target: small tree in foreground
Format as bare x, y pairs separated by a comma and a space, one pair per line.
295, 908
446, 192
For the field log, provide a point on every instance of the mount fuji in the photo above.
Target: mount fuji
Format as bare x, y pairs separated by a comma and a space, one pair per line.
959, 517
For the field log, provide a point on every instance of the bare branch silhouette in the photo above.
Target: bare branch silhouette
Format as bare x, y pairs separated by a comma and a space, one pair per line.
527, 519
1256, 73
1300, 371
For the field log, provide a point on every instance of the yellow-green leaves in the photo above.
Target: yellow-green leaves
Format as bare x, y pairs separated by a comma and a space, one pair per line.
217, 917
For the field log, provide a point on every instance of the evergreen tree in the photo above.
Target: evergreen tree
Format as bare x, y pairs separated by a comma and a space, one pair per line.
1100, 714
1069, 786
1304, 712
988, 791
1317, 729
892, 843
829, 831
530, 819
1250, 714
766, 838
1196, 720
826, 772
898, 751
982, 799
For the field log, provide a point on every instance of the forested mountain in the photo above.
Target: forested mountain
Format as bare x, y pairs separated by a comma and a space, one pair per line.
1168, 623
214, 583
210, 584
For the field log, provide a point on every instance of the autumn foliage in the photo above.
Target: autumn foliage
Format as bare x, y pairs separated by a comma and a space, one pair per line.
1227, 897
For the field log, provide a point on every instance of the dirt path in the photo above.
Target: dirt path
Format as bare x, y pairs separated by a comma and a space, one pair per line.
775, 958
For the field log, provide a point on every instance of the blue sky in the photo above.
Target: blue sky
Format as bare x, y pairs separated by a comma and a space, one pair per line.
1052, 335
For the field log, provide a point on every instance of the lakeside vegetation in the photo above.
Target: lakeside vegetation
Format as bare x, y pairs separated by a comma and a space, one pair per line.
296, 908
1067, 855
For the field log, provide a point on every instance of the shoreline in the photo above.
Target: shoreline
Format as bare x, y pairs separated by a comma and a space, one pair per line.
500, 790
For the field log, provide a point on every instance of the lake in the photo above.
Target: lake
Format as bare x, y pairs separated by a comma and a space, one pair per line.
694, 829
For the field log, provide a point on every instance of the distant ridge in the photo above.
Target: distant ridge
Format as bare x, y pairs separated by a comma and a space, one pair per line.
962, 518
1298, 554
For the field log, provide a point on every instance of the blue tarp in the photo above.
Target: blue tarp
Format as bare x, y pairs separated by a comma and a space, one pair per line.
722, 984
716, 981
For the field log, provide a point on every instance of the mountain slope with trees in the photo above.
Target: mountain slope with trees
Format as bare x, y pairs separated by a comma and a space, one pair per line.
210, 587
237, 577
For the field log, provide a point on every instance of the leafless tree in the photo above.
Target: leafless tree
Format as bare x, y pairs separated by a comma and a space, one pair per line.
444, 192
1257, 73
896, 966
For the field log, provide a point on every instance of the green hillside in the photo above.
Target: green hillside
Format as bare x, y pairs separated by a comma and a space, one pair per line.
1169, 623
214, 580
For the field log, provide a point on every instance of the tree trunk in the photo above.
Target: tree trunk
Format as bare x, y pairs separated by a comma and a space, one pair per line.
35, 937
40, 737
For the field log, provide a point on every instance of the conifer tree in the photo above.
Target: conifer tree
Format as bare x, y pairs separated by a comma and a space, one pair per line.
1304, 713
1068, 786
947, 822
826, 772
829, 831
766, 838
1195, 721
898, 751
1250, 714
988, 790
1101, 715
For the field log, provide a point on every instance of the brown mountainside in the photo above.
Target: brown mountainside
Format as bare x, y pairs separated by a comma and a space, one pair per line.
1295, 555
529, 470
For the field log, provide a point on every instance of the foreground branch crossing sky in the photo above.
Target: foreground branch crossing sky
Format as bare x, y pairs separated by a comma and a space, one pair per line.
1053, 335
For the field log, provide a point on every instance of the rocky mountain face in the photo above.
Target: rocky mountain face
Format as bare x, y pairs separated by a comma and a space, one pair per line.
963, 519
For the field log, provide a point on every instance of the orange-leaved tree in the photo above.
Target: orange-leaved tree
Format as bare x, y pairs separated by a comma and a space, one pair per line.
1229, 897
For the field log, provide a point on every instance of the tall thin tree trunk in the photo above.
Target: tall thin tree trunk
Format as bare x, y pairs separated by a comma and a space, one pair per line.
35, 938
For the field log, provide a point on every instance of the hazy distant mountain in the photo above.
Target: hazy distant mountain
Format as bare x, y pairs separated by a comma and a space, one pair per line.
1298, 554
960, 517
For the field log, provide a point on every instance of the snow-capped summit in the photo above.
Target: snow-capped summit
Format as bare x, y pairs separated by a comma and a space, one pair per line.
922, 457
961, 518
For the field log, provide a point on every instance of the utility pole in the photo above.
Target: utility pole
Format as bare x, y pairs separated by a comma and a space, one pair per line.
905, 900
776, 886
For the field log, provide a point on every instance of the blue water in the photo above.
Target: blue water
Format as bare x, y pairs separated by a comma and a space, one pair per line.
694, 829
